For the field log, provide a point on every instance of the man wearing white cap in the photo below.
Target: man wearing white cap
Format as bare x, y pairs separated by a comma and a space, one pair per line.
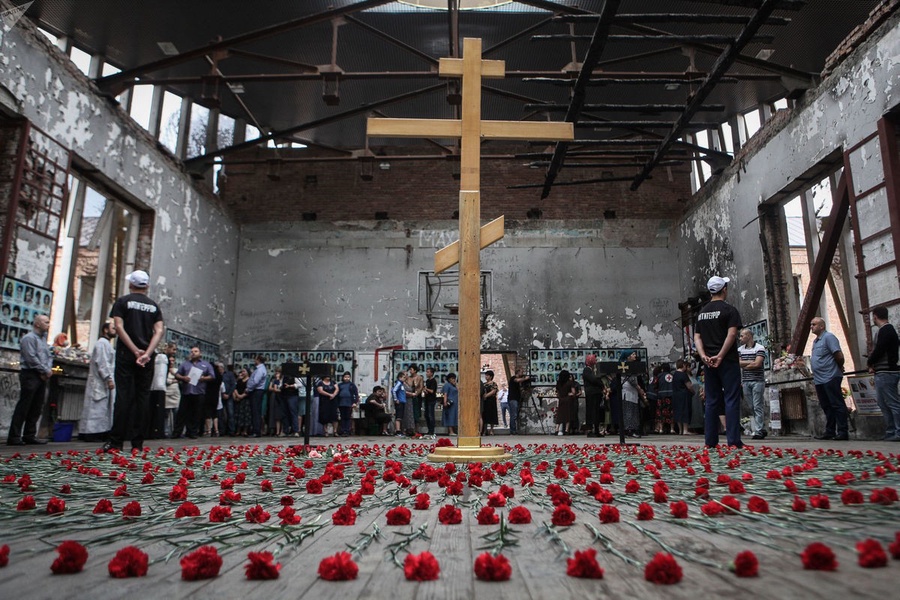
139, 323
716, 339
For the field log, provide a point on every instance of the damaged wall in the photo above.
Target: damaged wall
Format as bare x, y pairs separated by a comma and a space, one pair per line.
194, 241
720, 234
354, 285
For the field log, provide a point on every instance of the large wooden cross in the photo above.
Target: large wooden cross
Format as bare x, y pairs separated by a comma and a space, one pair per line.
471, 130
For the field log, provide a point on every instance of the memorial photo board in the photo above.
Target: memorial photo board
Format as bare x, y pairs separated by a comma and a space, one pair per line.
343, 360
545, 365
442, 361
22, 301
184, 342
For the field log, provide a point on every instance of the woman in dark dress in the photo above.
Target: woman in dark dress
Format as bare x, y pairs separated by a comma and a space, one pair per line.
565, 393
242, 416
489, 391
682, 393
328, 405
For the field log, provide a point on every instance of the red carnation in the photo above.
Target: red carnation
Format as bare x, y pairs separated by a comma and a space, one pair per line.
128, 562
287, 500
496, 499
148, 478
563, 516
813, 482
632, 487
443, 443
871, 554
229, 497
758, 505
712, 509
178, 493
345, 515
679, 509
202, 563
354, 500
736, 487
745, 564
188, 509
257, 514
584, 564
367, 488
851, 496
507, 491
261, 566
26, 503
731, 503
423, 501
220, 514
604, 496
121, 491
660, 496
450, 515
820, 501
55, 506
663, 569
313, 486
819, 557
894, 548
520, 516
399, 515
488, 516
65, 489
4, 552
609, 514
799, 504
71, 559
884, 496
421, 567
288, 516
266, 486
339, 567
644, 512
454, 488
492, 568
131, 510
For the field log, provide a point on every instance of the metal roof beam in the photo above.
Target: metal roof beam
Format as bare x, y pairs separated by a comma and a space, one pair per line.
711, 19
392, 40
642, 108
525, 186
722, 64
757, 4
669, 37
643, 124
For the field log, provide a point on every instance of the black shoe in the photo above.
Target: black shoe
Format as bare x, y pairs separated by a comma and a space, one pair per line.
110, 447
758, 436
824, 436
34, 441
15, 443
841, 438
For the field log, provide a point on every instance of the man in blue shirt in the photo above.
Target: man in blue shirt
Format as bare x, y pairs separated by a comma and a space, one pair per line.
256, 385
36, 368
193, 396
827, 362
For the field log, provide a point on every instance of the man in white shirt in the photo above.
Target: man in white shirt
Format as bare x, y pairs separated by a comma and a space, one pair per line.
503, 397
752, 356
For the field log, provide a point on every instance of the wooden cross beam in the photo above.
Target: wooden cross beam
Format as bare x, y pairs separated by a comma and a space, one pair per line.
470, 129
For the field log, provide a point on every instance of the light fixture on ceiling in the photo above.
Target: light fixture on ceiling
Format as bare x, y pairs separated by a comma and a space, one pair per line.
168, 48
765, 53
672, 86
236, 88
384, 165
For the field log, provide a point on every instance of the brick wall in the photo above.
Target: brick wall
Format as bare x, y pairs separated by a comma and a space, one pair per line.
425, 189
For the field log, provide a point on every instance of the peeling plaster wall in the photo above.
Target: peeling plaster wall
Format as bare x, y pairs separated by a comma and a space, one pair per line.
195, 243
354, 285
720, 235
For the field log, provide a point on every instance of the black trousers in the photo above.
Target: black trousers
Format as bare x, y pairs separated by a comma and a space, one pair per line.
190, 415
132, 410
33, 390
594, 413
156, 424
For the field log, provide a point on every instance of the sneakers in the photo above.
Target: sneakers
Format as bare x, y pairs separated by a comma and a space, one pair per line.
559, 433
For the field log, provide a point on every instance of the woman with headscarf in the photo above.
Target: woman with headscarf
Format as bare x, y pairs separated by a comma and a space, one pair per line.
593, 396
565, 393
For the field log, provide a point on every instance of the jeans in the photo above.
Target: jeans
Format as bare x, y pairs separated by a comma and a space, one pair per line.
754, 391
429, 415
29, 407
346, 415
832, 402
504, 410
228, 406
513, 416
888, 402
723, 384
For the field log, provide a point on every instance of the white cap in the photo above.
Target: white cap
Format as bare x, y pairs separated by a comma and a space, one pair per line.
139, 279
716, 283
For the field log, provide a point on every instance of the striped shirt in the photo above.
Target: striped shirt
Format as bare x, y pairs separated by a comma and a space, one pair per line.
750, 354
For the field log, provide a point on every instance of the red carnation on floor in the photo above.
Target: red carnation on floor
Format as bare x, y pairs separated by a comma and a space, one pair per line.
339, 567
660, 496
520, 516
819, 557
202, 563
871, 554
454, 488
26, 503
450, 515
736, 487
712, 509
488, 516
492, 568
584, 564
4, 555
287, 500
367, 488
820, 501
894, 548
645, 512
884, 496
178, 493
745, 564
121, 491
663, 569
562, 516
609, 514
261, 566
314, 486
288, 516
188, 509
443, 443
758, 505
128, 562
219, 514
131, 510
604, 496
55, 506
345, 515
229, 497
65, 489
266, 486
423, 501
799, 504
731, 503
632, 487
507, 491
148, 478
354, 500
257, 514
421, 567
496, 499
851, 496
399, 515
679, 509
71, 559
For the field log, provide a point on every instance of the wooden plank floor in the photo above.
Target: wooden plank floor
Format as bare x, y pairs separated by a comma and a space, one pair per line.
702, 545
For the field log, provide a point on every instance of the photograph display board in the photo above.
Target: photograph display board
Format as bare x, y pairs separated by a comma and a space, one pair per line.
545, 365
442, 361
184, 343
343, 360
862, 388
21, 302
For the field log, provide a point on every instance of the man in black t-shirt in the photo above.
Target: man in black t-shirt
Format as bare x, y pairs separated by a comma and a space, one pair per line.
139, 323
715, 336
